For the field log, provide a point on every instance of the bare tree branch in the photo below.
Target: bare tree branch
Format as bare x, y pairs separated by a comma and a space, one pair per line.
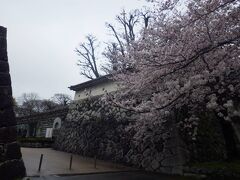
118, 39
88, 60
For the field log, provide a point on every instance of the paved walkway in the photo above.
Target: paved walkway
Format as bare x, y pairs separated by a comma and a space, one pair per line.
57, 162
118, 176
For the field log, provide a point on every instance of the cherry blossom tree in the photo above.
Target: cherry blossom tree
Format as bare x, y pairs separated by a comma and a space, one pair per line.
189, 56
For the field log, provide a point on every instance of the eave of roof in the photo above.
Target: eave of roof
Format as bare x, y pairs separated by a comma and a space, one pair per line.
91, 83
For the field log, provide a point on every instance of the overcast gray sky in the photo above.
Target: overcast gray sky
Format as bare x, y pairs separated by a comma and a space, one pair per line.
42, 36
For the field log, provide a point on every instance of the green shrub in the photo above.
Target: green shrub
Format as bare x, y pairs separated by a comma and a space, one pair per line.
35, 140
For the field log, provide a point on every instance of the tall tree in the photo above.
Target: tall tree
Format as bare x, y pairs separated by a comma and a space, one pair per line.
125, 34
88, 58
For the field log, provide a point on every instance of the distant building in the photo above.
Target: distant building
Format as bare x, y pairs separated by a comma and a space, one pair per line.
41, 124
95, 87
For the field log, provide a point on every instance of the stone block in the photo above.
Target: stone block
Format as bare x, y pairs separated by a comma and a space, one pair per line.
12, 169
3, 32
3, 44
149, 168
167, 153
146, 162
155, 164
6, 101
8, 134
5, 79
5, 90
13, 151
7, 117
3, 55
159, 157
172, 161
147, 152
4, 67
166, 170
178, 170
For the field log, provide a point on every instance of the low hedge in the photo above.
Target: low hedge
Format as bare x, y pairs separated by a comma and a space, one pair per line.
35, 140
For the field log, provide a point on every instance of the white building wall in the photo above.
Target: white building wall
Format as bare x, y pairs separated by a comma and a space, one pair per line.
96, 90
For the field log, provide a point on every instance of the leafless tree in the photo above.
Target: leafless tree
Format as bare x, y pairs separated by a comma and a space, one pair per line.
146, 16
88, 60
28, 97
29, 103
48, 104
127, 21
125, 36
61, 99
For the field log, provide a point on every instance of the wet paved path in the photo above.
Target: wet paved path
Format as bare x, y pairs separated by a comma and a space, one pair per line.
57, 162
117, 176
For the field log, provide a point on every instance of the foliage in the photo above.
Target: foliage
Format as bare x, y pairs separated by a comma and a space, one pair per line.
184, 58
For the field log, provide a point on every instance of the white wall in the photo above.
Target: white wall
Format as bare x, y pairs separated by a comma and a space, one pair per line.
96, 90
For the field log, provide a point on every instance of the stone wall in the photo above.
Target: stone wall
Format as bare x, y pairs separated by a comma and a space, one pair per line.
92, 127
210, 143
11, 164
